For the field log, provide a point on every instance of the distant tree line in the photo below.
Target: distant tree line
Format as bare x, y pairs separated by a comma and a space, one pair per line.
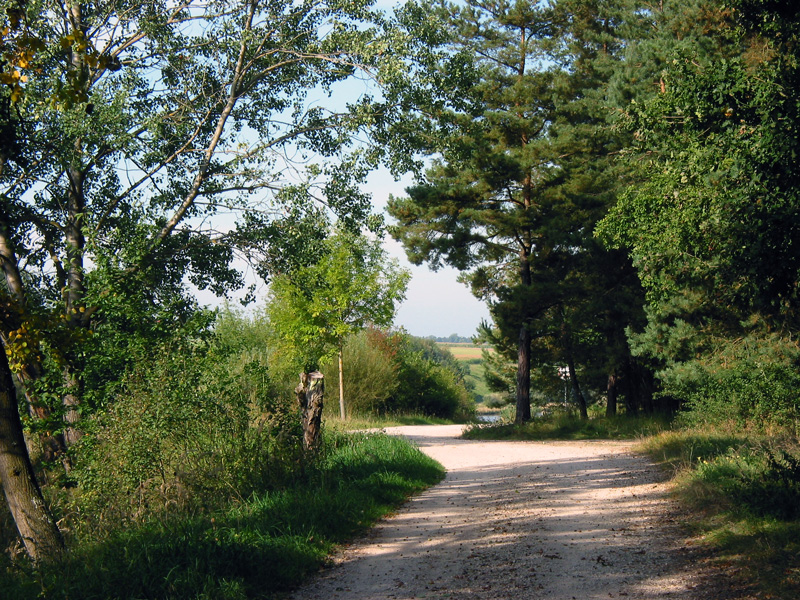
453, 338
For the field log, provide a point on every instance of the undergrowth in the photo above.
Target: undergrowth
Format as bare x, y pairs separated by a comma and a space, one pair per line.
253, 549
743, 491
566, 426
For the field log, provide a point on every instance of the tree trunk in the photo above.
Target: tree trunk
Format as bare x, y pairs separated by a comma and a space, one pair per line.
342, 411
566, 336
310, 397
611, 389
523, 376
53, 446
576, 388
523, 412
71, 402
631, 395
36, 527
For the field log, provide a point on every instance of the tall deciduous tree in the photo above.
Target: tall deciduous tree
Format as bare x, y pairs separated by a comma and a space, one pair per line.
37, 529
141, 124
351, 284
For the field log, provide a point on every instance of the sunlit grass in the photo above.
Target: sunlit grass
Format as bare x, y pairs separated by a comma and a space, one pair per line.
743, 494
566, 426
255, 549
360, 422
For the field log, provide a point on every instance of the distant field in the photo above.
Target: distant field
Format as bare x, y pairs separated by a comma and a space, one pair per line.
464, 351
470, 352
476, 372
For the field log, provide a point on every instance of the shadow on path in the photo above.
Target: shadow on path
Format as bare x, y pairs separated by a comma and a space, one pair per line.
521, 520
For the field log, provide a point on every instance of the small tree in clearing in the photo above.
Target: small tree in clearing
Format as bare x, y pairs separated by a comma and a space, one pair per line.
315, 307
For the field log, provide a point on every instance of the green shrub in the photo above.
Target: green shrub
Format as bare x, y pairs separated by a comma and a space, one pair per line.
763, 482
431, 387
370, 375
182, 437
751, 382
256, 548
388, 373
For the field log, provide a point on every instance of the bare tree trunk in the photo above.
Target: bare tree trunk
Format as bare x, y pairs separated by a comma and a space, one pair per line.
566, 339
631, 395
611, 389
342, 411
36, 527
523, 412
310, 397
576, 388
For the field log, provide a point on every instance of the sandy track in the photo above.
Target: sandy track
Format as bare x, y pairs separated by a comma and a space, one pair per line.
522, 520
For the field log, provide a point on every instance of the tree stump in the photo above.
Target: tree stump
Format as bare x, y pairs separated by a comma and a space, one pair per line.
310, 396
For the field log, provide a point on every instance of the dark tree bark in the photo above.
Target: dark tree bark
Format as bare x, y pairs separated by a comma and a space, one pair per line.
631, 391
611, 389
310, 397
36, 527
576, 389
566, 339
523, 412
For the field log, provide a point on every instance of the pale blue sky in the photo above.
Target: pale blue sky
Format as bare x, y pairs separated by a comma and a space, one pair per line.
436, 303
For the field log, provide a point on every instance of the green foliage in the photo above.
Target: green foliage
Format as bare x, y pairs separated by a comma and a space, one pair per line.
710, 217
350, 284
370, 374
392, 374
261, 546
184, 436
430, 381
521, 178
744, 491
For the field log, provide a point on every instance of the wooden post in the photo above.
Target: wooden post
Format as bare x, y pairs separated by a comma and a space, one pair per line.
310, 397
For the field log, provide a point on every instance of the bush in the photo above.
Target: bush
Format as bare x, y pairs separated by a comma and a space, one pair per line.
370, 375
183, 437
430, 381
747, 393
395, 373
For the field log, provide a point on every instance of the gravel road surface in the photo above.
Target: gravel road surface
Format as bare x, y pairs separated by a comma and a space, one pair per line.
524, 520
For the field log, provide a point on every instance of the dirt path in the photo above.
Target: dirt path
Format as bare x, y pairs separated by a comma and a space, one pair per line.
522, 520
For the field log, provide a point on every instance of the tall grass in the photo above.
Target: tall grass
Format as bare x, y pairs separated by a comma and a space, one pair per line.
743, 494
252, 549
566, 426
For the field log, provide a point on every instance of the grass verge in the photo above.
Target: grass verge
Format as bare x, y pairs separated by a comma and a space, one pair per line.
257, 549
564, 426
743, 492
359, 422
